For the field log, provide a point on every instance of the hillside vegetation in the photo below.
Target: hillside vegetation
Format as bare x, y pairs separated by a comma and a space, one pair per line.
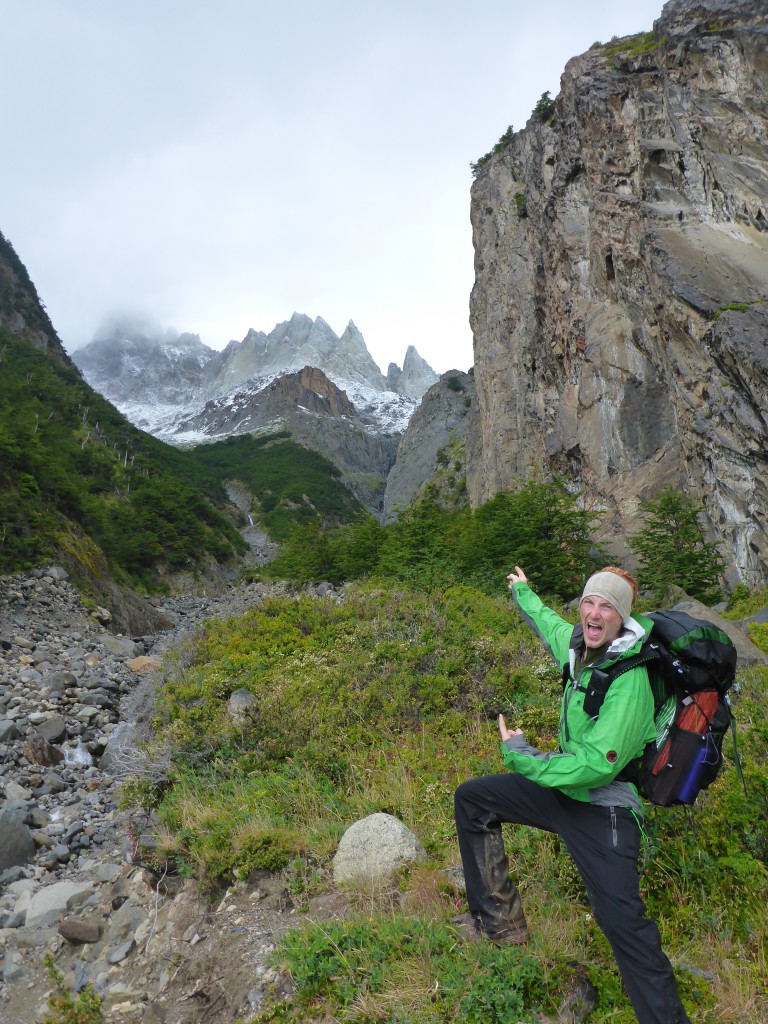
385, 701
292, 486
72, 468
541, 526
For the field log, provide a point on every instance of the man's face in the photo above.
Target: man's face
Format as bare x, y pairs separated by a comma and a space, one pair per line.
599, 620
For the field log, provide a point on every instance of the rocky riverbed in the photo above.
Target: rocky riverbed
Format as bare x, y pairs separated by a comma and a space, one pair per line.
70, 884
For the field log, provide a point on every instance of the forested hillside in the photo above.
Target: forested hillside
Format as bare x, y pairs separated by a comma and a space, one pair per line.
77, 480
80, 484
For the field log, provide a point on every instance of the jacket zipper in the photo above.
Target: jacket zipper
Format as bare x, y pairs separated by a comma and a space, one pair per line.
568, 696
614, 830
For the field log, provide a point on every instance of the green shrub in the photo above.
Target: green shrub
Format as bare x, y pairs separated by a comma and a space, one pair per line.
744, 602
758, 634
404, 969
737, 307
434, 545
65, 1007
539, 527
633, 46
500, 146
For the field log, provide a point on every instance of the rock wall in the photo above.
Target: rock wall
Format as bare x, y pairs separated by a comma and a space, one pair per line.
621, 255
443, 417
21, 311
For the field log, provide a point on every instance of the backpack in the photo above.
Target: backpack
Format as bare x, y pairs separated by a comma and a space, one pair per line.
691, 666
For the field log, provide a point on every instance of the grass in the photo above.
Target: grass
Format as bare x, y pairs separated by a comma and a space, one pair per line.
385, 702
631, 46
737, 307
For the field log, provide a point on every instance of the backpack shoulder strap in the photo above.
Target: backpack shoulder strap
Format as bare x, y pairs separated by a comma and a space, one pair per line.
600, 679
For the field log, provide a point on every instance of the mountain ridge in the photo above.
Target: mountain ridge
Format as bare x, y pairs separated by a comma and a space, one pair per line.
299, 378
138, 363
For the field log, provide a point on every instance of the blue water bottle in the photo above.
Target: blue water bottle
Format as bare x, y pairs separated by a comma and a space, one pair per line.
691, 784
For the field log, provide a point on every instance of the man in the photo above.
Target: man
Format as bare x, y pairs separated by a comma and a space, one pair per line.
577, 792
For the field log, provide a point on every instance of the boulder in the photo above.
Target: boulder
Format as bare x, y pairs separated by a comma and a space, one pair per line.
143, 664
48, 903
120, 646
38, 750
53, 729
242, 707
8, 730
74, 930
120, 739
17, 846
375, 848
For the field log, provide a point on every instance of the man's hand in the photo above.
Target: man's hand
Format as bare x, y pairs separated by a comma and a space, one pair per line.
518, 576
505, 732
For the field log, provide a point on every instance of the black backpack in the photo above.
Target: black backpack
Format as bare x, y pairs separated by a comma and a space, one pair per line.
691, 666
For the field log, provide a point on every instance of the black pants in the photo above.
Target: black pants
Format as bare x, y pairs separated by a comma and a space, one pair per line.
604, 843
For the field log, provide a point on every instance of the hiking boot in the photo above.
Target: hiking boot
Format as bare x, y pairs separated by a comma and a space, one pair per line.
469, 931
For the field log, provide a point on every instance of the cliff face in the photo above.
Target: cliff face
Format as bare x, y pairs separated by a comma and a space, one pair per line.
440, 422
21, 311
621, 255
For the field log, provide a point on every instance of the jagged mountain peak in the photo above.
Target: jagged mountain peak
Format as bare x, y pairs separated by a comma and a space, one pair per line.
415, 378
131, 357
160, 378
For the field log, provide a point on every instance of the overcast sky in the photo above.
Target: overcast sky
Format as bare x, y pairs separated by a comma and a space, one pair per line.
217, 165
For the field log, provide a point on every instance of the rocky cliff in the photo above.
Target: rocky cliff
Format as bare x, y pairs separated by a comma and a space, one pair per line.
21, 310
434, 440
621, 254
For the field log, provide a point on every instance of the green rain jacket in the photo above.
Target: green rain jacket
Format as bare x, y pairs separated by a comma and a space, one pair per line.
593, 751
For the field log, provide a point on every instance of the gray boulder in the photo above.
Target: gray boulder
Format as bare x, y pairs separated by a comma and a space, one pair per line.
120, 646
122, 738
374, 848
8, 730
17, 846
242, 707
53, 729
47, 904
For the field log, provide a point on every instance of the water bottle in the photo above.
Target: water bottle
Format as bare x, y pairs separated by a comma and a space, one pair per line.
691, 784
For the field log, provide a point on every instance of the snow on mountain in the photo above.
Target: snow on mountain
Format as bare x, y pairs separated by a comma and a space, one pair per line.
162, 380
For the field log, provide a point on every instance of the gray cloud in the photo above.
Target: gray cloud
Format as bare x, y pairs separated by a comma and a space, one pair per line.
222, 165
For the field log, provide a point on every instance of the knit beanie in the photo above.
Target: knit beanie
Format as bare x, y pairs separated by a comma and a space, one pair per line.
613, 589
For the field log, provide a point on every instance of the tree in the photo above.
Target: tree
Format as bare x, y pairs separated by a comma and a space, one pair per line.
673, 550
545, 108
539, 527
